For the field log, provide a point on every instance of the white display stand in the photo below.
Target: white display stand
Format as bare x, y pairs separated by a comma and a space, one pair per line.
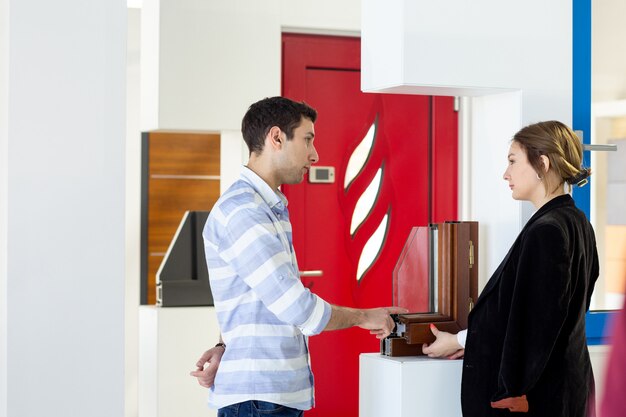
412, 386
171, 341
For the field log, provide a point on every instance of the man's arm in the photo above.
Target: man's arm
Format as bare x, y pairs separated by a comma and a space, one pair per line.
207, 365
377, 320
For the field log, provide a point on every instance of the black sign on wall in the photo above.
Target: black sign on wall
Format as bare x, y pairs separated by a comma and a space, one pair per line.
183, 278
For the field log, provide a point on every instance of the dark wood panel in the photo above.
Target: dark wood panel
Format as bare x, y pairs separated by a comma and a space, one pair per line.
184, 154
165, 199
169, 199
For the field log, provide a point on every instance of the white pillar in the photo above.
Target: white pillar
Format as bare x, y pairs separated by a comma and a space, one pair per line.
4, 174
64, 195
133, 211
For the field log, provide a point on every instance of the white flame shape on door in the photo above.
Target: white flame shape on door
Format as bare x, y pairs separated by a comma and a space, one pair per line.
359, 156
366, 201
372, 248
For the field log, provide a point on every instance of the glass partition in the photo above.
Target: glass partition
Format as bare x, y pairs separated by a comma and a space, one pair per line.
608, 204
415, 277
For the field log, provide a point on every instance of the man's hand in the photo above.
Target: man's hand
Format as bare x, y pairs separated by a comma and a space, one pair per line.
446, 345
207, 366
378, 320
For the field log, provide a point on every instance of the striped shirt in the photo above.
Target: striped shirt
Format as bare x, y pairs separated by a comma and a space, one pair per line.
264, 312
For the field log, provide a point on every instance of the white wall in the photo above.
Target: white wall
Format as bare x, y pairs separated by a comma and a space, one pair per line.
233, 150
65, 201
149, 65
493, 121
4, 190
482, 193
133, 212
216, 58
608, 75
322, 16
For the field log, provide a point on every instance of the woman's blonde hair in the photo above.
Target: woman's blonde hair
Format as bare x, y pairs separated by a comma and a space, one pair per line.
561, 146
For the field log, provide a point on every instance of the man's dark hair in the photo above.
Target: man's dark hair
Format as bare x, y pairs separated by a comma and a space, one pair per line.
269, 112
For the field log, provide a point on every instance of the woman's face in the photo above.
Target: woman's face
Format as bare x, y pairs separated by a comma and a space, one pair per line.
522, 177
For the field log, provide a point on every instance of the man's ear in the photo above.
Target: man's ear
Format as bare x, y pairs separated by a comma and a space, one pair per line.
275, 137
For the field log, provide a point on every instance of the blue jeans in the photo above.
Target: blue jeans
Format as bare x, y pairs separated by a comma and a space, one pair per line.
255, 408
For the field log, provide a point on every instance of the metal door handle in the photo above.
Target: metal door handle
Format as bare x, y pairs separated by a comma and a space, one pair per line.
594, 147
312, 273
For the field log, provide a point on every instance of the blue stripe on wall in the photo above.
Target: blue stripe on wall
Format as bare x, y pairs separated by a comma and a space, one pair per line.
581, 89
599, 325
598, 322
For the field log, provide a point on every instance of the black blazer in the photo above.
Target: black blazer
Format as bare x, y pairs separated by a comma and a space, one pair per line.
526, 332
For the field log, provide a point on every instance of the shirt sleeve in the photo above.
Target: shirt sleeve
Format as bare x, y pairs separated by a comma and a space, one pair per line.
461, 337
251, 244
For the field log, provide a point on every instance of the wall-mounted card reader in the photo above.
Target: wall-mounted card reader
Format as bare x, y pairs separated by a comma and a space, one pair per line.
322, 174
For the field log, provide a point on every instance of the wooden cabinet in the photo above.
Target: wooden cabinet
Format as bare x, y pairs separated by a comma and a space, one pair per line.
180, 172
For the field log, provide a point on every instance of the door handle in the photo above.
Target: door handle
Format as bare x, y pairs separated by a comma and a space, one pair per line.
312, 273
601, 147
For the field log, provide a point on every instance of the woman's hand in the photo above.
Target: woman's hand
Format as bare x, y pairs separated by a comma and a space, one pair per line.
446, 345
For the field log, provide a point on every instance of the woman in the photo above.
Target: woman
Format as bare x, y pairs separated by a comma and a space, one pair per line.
526, 349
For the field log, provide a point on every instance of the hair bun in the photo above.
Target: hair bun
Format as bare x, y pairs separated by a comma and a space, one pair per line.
580, 179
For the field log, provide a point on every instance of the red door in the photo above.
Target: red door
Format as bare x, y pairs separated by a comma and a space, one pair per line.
401, 150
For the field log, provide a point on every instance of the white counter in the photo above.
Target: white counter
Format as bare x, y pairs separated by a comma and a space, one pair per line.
171, 341
413, 386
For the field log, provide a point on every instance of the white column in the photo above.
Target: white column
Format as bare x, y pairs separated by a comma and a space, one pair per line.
4, 174
133, 211
65, 204
234, 150
494, 120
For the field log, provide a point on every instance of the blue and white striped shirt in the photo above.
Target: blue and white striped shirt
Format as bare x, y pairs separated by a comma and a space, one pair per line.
264, 311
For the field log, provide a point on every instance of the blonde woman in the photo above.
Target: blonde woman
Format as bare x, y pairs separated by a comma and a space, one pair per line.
525, 348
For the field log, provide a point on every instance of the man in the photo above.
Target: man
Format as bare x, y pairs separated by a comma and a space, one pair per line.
264, 312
